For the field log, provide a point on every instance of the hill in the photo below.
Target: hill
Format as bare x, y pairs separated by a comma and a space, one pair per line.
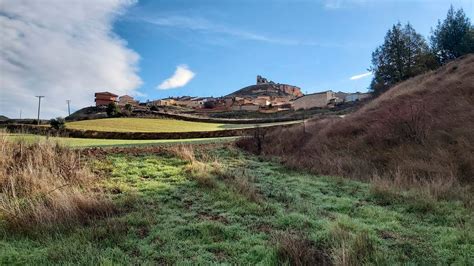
91, 112
3, 118
259, 90
267, 88
417, 133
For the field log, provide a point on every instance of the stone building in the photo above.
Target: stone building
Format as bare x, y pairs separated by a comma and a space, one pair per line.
126, 99
320, 100
164, 102
358, 96
105, 98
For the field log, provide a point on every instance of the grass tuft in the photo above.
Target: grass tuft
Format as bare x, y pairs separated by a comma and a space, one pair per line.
43, 184
295, 249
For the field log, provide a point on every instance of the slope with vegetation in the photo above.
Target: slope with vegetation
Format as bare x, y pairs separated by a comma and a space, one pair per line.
218, 205
416, 135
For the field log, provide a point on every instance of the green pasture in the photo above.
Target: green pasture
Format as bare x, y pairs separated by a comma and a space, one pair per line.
156, 125
252, 213
86, 142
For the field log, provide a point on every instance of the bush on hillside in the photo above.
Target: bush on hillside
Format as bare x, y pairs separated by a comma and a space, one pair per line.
58, 123
112, 110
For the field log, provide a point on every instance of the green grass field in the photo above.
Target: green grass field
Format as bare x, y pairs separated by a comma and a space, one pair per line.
154, 125
256, 213
86, 142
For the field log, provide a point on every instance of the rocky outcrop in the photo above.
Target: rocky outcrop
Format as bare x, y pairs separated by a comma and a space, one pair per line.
265, 87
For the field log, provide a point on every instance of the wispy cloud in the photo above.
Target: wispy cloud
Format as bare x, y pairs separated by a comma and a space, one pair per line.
206, 26
361, 76
182, 76
337, 4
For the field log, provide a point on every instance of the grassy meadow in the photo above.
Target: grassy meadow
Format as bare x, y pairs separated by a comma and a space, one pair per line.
218, 204
89, 142
154, 125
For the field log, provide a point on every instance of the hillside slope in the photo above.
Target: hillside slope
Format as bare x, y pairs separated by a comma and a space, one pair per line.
421, 130
267, 89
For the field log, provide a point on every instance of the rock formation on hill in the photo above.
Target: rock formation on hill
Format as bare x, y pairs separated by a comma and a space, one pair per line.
265, 87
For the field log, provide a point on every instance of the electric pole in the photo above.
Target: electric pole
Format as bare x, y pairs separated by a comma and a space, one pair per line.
20, 114
68, 106
39, 106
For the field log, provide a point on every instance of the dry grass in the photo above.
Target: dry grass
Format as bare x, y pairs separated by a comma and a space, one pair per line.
197, 170
418, 135
295, 249
242, 183
350, 249
43, 184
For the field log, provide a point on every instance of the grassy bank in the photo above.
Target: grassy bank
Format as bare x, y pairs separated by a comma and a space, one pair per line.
86, 142
224, 206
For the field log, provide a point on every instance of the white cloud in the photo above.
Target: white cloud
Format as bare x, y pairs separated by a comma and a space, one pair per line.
356, 77
63, 50
180, 78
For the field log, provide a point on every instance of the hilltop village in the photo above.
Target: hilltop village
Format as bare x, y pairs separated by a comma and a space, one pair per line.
265, 96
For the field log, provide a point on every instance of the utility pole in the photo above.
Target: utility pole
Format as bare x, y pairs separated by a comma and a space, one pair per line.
20, 113
68, 106
39, 106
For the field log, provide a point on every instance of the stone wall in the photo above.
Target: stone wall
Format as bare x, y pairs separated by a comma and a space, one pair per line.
309, 101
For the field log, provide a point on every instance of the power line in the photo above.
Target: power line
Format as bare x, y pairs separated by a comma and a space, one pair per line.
39, 106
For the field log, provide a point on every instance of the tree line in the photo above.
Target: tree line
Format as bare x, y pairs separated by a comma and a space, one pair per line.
405, 53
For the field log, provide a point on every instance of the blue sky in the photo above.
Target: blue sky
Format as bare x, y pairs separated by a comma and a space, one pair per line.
68, 50
316, 45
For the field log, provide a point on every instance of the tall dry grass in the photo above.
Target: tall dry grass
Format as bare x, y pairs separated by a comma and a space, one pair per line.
417, 135
199, 169
45, 185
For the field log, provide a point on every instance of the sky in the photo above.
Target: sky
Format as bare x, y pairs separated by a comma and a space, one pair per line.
151, 49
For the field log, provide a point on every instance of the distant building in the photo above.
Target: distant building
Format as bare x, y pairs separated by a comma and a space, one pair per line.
105, 98
358, 96
126, 99
320, 99
164, 102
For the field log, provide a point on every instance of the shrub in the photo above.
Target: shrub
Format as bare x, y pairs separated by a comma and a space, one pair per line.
112, 110
209, 104
46, 185
57, 123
